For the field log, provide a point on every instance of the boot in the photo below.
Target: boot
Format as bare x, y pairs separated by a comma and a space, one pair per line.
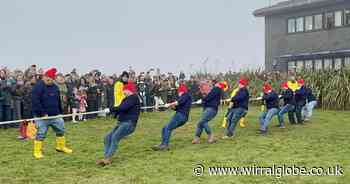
61, 146
211, 139
242, 123
196, 140
160, 148
38, 145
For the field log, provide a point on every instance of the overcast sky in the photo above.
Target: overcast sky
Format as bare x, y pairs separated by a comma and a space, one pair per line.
111, 35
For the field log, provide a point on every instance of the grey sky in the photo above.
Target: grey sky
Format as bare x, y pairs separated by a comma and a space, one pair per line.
112, 34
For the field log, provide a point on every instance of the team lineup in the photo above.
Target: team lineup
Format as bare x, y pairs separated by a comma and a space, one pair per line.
298, 103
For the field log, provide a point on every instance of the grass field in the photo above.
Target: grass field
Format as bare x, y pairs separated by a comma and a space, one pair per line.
322, 142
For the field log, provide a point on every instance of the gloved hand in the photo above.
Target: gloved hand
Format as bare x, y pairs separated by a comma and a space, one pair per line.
107, 110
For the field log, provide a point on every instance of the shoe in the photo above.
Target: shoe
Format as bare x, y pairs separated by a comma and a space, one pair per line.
196, 140
61, 146
281, 127
104, 162
211, 139
38, 145
160, 148
263, 132
226, 137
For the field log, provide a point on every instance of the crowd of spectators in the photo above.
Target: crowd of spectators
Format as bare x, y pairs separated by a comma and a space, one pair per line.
86, 92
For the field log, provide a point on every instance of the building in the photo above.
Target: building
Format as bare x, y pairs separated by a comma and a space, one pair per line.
307, 34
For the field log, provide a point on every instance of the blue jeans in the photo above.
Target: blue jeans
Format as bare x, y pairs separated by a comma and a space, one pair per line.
265, 118
177, 121
308, 108
208, 114
43, 126
289, 108
233, 117
112, 140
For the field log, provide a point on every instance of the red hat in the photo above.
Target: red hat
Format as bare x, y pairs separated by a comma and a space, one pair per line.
243, 81
182, 88
130, 86
284, 85
267, 87
301, 82
51, 73
222, 85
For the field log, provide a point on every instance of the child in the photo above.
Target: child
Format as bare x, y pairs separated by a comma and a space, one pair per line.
75, 104
82, 96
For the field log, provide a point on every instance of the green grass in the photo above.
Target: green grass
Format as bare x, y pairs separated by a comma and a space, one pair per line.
322, 142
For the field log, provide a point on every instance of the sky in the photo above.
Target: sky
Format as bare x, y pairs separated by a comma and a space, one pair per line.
111, 35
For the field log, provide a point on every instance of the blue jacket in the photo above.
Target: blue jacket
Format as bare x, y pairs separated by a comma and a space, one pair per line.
46, 100
241, 100
271, 100
300, 96
288, 97
213, 99
184, 104
309, 95
128, 110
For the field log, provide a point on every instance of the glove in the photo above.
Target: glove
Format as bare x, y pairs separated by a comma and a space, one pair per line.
167, 105
107, 110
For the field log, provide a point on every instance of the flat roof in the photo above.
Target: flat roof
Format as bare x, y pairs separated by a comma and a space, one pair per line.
291, 5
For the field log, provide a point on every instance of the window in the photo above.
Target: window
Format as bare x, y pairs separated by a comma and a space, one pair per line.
338, 63
291, 66
329, 20
291, 25
318, 64
347, 17
347, 62
338, 16
300, 66
309, 26
300, 24
318, 21
328, 64
309, 65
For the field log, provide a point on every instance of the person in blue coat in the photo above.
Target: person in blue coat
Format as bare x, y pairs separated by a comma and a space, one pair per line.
182, 106
46, 102
238, 108
210, 102
128, 113
271, 101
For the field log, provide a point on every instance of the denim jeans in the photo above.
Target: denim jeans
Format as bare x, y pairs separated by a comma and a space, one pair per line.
177, 121
308, 108
208, 114
233, 117
43, 126
266, 117
289, 108
112, 140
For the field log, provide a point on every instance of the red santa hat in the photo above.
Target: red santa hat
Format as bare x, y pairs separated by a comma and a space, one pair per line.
284, 85
222, 85
182, 88
243, 81
51, 73
301, 82
130, 86
267, 87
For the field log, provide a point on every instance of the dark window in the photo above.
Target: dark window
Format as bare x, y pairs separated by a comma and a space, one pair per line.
329, 20
347, 17
318, 21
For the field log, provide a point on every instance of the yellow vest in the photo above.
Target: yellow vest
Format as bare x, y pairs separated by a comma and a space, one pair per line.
118, 93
